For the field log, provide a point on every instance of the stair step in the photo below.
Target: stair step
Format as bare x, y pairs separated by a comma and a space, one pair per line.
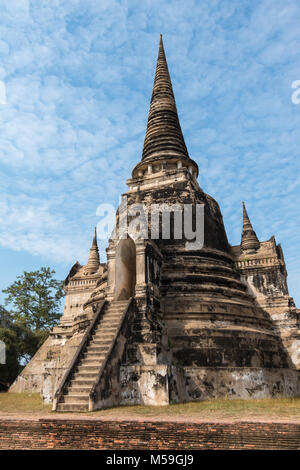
104, 336
116, 307
91, 360
93, 356
109, 323
97, 349
97, 342
113, 316
94, 349
77, 390
95, 362
114, 312
111, 329
82, 375
106, 340
102, 342
88, 368
72, 407
87, 382
107, 329
75, 398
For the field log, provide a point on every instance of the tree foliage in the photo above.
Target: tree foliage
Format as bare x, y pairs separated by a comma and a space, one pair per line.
7, 335
33, 302
34, 299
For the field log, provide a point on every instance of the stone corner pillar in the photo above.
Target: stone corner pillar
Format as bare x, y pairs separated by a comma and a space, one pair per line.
141, 286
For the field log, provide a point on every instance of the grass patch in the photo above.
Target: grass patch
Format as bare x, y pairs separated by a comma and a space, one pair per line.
30, 403
285, 408
267, 408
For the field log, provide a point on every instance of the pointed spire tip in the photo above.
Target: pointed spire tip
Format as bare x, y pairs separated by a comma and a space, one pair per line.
94, 258
95, 236
163, 135
249, 237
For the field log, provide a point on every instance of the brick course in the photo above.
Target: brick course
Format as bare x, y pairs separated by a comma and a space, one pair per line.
148, 435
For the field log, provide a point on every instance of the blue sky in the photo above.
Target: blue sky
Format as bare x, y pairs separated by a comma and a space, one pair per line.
78, 76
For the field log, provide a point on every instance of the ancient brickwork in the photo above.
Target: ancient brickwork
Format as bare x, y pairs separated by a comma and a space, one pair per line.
262, 269
147, 435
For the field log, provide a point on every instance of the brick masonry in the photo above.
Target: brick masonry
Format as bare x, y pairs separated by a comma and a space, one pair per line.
149, 435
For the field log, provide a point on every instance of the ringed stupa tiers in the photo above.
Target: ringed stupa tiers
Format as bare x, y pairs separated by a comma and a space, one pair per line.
163, 135
161, 323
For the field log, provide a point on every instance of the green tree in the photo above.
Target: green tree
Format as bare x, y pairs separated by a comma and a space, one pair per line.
34, 307
34, 299
12, 367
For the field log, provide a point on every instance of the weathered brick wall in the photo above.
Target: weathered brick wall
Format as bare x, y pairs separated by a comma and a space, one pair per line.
119, 435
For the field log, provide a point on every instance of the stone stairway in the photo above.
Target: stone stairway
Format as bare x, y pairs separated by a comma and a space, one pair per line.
76, 395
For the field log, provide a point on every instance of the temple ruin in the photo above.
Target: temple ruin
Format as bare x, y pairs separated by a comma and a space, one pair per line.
162, 322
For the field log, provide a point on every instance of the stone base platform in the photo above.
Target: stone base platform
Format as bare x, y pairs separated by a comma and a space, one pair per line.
207, 383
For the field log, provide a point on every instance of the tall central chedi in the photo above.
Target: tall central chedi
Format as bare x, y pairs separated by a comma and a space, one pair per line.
165, 319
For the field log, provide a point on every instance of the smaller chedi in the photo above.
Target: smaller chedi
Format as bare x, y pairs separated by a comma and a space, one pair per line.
163, 322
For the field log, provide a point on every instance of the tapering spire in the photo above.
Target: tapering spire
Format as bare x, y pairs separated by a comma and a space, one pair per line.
250, 241
163, 136
94, 244
94, 259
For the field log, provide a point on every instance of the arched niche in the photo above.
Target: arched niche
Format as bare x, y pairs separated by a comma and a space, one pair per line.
125, 269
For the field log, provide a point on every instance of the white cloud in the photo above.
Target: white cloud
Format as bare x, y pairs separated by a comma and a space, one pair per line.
78, 75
